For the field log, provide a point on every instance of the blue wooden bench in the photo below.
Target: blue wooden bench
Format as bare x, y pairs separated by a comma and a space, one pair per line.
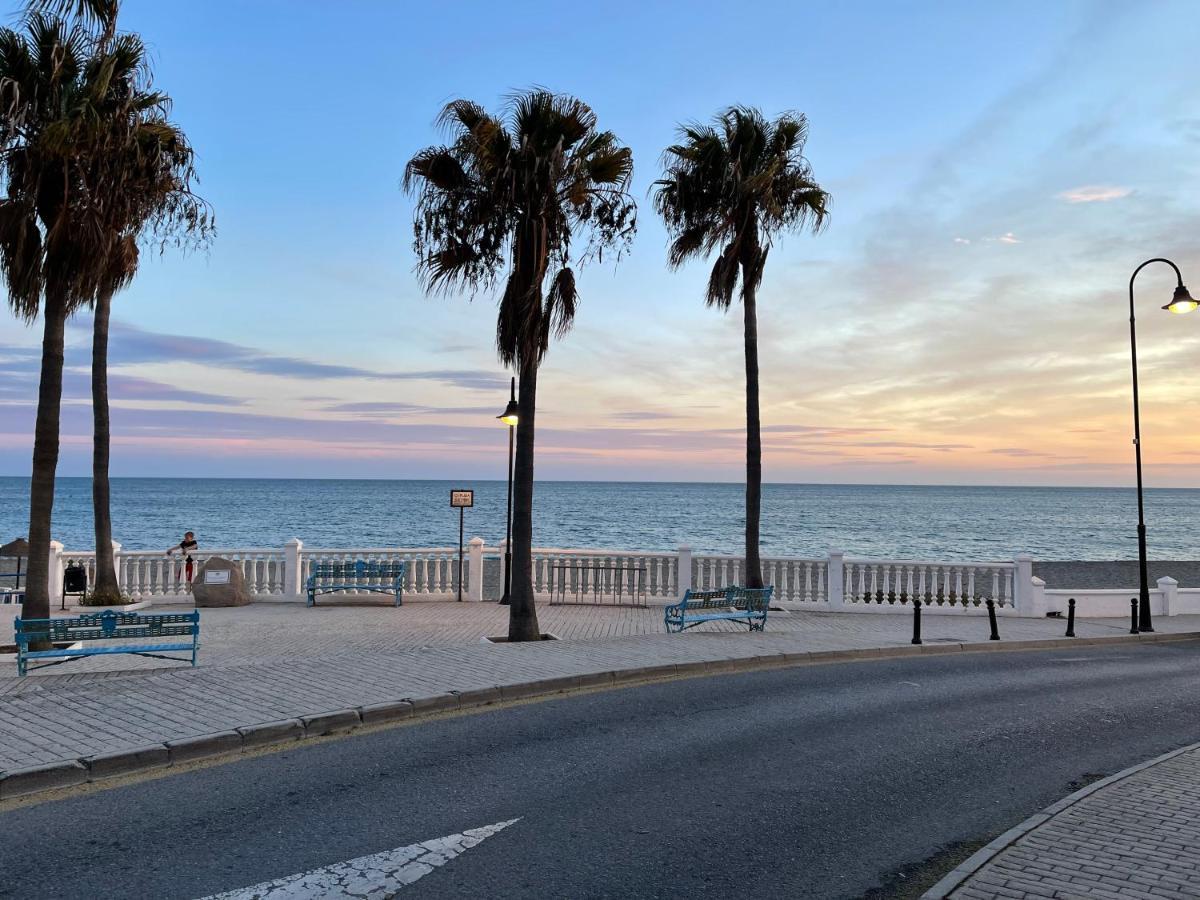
736, 604
359, 575
106, 626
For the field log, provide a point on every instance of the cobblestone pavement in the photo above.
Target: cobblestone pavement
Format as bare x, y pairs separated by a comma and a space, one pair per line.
1136, 837
273, 661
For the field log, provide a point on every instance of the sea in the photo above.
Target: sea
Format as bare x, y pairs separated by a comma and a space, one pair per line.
888, 521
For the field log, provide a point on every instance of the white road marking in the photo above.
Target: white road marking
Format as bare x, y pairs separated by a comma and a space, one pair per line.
378, 876
913, 683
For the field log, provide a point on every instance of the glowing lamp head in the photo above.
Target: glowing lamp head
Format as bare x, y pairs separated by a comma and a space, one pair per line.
1182, 302
509, 416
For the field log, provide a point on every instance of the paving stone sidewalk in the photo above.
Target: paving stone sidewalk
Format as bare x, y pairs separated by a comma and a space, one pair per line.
346, 659
1135, 837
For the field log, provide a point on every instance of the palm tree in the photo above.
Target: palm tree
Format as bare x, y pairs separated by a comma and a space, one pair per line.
142, 187
504, 199
44, 93
151, 196
89, 162
732, 187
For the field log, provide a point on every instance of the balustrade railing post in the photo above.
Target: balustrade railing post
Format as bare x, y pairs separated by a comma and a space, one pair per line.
117, 567
1023, 599
1170, 593
293, 562
684, 562
475, 569
54, 583
503, 545
1038, 605
836, 581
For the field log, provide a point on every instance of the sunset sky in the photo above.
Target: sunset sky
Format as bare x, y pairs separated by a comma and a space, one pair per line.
997, 172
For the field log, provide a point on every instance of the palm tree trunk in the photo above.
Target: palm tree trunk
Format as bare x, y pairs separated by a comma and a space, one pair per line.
754, 577
522, 614
105, 590
45, 463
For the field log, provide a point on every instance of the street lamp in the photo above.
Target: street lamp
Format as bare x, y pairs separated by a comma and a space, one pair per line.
509, 417
1181, 303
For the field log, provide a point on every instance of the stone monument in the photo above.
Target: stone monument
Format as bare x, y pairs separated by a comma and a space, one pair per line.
220, 583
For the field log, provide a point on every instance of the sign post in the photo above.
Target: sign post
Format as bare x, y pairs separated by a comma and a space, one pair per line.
461, 500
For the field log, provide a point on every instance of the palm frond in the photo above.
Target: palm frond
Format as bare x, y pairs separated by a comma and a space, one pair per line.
733, 186
506, 197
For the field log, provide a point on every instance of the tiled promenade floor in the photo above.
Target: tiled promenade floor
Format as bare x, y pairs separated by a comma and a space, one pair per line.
1138, 837
272, 661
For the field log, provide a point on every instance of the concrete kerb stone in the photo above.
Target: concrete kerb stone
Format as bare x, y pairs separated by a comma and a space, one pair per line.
976, 861
646, 673
127, 762
338, 722
596, 679
544, 688
423, 706
477, 697
278, 732
381, 713
205, 746
33, 779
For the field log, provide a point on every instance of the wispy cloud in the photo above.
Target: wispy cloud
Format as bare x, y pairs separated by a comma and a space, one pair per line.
385, 409
1095, 193
131, 345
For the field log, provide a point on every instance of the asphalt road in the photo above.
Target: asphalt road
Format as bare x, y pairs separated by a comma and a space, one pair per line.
838, 780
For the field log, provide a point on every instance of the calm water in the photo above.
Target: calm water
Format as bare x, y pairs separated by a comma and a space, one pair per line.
887, 521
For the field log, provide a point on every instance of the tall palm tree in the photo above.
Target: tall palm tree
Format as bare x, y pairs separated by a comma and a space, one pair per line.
150, 174
84, 145
45, 98
733, 187
503, 200
142, 187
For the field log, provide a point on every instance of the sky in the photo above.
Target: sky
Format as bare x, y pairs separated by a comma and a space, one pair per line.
997, 172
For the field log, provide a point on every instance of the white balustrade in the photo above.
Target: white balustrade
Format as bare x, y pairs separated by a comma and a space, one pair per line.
795, 580
963, 585
834, 583
429, 571
608, 574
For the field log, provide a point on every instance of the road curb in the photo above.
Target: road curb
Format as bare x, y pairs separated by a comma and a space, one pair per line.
232, 742
980, 858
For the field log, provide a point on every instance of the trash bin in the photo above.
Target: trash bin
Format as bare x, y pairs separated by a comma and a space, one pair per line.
75, 580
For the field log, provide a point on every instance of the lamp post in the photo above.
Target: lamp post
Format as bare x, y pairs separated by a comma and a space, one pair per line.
509, 418
1181, 303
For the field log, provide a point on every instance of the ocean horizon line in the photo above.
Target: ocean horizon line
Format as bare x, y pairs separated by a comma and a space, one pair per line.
617, 481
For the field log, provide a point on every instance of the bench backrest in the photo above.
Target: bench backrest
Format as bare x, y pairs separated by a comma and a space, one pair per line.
749, 599
105, 626
358, 569
698, 600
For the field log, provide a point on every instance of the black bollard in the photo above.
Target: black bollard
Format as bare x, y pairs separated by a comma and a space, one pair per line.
1071, 617
916, 622
1133, 611
991, 605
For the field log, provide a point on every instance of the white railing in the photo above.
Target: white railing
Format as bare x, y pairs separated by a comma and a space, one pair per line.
606, 574
936, 584
834, 583
146, 574
430, 571
795, 580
